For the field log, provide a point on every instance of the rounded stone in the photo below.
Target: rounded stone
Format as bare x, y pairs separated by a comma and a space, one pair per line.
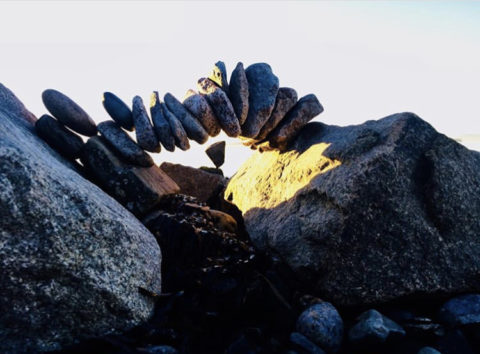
146, 137
199, 107
179, 134
161, 125
118, 110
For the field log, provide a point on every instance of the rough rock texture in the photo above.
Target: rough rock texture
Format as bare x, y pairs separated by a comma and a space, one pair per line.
161, 125
73, 260
216, 153
368, 213
10, 103
373, 328
461, 311
176, 128
118, 110
195, 182
68, 112
239, 93
262, 90
219, 76
199, 107
146, 137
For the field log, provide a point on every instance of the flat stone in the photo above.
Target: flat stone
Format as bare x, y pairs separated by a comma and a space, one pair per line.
124, 145
461, 311
374, 328
176, 128
262, 92
219, 76
191, 125
68, 112
216, 153
286, 99
199, 107
239, 92
221, 105
64, 141
118, 110
146, 137
307, 108
139, 189
161, 126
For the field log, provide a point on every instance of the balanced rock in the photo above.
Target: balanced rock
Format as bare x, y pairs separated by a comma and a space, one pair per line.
374, 328
146, 137
124, 145
58, 137
139, 189
191, 125
222, 107
307, 108
262, 92
286, 99
73, 260
118, 110
199, 107
216, 153
68, 112
161, 126
368, 213
176, 128
219, 76
239, 93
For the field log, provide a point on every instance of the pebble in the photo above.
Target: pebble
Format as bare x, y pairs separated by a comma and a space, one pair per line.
322, 324
176, 128
307, 108
68, 112
199, 107
373, 327
146, 137
286, 99
191, 125
216, 153
221, 105
239, 92
66, 142
305, 344
262, 90
118, 110
219, 76
124, 145
161, 125
461, 310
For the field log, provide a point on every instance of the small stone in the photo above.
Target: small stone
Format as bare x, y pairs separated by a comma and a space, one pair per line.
322, 324
219, 76
199, 107
176, 128
307, 108
124, 145
68, 112
262, 90
146, 137
191, 125
239, 92
428, 350
222, 107
286, 99
461, 311
216, 153
161, 125
299, 340
118, 110
374, 328
64, 141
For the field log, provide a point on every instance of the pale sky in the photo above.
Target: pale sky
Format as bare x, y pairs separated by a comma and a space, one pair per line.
363, 60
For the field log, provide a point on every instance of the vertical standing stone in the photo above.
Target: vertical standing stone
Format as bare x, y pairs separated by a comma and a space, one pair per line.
176, 128
118, 110
219, 76
239, 93
146, 137
199, 107
161, 125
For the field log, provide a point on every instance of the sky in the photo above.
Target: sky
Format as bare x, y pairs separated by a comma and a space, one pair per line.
362, 59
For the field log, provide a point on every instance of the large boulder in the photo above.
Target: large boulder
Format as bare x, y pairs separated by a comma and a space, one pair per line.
74, 263
369, 213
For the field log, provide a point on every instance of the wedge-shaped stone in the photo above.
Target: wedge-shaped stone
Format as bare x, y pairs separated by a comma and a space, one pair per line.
219, 76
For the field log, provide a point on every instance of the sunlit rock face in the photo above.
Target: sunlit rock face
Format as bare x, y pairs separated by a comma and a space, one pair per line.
368, 213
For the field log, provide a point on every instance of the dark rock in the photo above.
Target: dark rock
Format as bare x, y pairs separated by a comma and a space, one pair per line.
428, 350
124, 145
58, 137
373, 328
302, 342
454, 342
286, 99
139, 189
191, 125
222, 107
10, 103
423, 327
216, 153
161, 124
354, 210
239, 93
176, 128
118, 110
219, 76
322, 324
195, 182
461, 311
72, 258
199, 107
159, 349
68, 112
307, 108
262, 90
146, 137
214, 170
